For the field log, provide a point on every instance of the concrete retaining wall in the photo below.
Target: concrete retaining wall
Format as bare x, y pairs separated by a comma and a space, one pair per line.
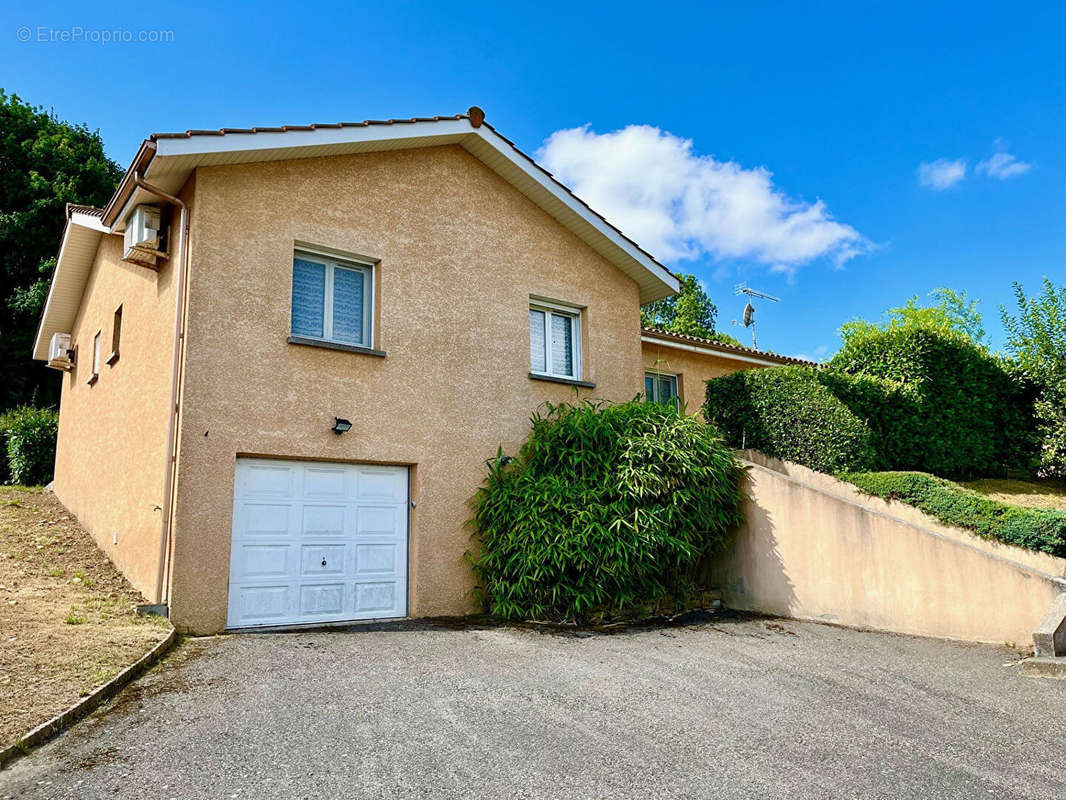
813, 547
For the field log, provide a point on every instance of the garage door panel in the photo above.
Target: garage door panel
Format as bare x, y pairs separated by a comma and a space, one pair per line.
378, 520
268, 480
379, 596
317, 543
387, 484
323, 520
265, 520
262, 561
325, 482
376, 559
322, 560
326, 599
261, 605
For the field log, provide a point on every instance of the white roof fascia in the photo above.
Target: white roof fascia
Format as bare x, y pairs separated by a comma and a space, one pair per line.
447, 130
54, 319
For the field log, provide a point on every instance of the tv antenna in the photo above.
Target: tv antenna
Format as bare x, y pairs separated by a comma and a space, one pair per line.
749, 308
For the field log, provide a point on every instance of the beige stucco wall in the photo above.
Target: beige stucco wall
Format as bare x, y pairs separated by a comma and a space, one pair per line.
813, 548
111, 451
693, 370
460, 253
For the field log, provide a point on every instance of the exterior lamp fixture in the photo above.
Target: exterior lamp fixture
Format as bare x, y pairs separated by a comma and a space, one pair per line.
341, 426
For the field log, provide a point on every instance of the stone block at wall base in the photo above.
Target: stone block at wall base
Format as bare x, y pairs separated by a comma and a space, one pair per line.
1044, 668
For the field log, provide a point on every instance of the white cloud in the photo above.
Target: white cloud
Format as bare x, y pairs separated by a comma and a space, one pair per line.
1003, 165
679, 205
942, 173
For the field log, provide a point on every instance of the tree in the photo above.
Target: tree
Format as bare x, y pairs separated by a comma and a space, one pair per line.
950, 311
45, 163
690, 312
1036, 338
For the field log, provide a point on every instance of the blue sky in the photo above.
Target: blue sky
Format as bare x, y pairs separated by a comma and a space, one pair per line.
842, 103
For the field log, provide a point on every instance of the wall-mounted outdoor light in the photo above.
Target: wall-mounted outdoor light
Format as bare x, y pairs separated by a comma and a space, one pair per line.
341, 426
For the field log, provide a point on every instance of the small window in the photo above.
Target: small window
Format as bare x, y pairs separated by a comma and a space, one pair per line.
96, 358
554, 342
331, 300
116, 336
660, 388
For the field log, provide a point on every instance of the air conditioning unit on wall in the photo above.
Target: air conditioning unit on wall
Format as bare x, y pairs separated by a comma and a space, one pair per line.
143, 237
59, 352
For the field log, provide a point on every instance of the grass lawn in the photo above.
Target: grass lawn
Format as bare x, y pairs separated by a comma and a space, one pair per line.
990, 508
1029, 494
67, 620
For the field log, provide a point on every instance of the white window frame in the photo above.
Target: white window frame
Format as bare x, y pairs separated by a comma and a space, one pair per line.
657, 376
560, 310
332, 263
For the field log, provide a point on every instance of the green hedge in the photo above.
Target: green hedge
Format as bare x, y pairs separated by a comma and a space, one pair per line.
29, 437
1037, 529
607, 511
961, 410
904, 399
789, 413
891, 409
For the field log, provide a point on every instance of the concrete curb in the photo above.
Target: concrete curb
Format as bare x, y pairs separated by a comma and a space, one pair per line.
45, 731
1044, 668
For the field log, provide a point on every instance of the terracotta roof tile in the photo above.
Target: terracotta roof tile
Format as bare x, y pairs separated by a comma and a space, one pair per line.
728, 348
312, 127
92, 210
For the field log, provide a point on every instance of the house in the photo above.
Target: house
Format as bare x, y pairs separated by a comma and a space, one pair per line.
679, 366
288, 352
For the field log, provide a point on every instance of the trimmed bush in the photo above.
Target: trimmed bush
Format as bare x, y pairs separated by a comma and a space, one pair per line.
30, 435
927, 400
1034, 528
606, 512
789, 413
968, 415
892, 410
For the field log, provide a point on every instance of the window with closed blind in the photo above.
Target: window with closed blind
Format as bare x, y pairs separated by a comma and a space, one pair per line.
331, 300
554, 342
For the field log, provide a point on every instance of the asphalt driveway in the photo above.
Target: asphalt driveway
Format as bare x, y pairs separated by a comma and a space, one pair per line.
725, 708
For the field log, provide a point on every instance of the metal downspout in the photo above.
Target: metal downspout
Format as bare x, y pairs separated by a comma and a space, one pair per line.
161, 594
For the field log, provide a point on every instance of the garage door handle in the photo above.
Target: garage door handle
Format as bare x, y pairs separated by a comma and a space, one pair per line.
323, 562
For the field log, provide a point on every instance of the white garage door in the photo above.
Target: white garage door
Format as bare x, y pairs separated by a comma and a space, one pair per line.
317, 542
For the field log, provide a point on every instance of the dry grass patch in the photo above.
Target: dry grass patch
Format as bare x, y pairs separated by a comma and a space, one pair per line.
67, 618
1028, 494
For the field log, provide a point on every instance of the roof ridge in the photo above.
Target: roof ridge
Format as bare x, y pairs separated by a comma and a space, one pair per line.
189, 133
